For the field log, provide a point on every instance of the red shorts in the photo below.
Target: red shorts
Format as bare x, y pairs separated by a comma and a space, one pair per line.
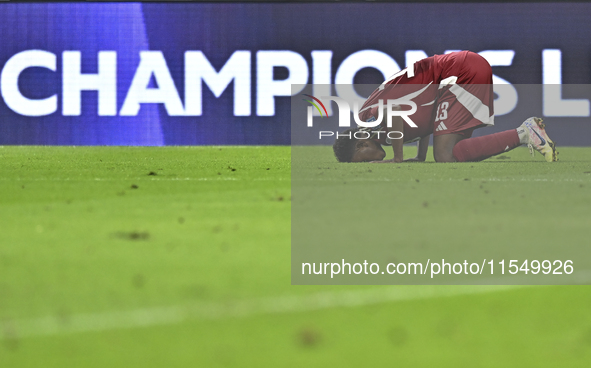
467, 103
460, 109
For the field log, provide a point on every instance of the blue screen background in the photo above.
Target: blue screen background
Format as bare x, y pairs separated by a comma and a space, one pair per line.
220, 29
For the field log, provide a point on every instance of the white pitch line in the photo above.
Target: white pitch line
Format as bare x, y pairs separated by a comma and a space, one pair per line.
296, 179
215, 178
473, 180
159, 316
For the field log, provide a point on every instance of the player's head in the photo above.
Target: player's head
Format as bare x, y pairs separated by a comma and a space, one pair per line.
347, 148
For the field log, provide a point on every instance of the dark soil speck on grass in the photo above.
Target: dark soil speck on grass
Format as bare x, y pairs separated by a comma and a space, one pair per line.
398, 335
132, 235
10, 334
152, 173
138, 281
134, 186
11, 343
63, 316
309, 337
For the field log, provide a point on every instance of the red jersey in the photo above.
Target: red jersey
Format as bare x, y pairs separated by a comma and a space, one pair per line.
427, 83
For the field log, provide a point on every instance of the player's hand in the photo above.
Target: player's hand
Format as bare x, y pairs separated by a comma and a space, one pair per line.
415, 159
390, 161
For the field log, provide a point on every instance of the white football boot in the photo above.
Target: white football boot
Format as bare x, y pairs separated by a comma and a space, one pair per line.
538, 139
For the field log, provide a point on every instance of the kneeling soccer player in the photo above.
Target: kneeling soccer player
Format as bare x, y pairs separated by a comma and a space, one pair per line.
453, 94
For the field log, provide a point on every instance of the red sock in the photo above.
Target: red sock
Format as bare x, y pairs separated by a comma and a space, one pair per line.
481, 148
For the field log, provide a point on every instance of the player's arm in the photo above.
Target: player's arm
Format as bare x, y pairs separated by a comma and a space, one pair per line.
423, 148
397, 144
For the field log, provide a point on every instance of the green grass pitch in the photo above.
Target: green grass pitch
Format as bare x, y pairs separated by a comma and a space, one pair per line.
180, 257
